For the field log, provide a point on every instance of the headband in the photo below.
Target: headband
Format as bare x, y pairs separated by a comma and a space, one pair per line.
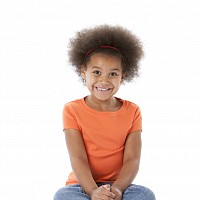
101, 47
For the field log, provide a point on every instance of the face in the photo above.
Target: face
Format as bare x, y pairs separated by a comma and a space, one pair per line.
103, 76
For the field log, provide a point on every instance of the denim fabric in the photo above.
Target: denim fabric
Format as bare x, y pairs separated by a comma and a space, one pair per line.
75, 192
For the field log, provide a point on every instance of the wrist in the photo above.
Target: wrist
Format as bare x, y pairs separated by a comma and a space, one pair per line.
91, 190
116, 188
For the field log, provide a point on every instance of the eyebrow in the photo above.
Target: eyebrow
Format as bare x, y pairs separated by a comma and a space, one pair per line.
115, 69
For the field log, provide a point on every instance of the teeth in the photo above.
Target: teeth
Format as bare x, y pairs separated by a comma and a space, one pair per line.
102, 89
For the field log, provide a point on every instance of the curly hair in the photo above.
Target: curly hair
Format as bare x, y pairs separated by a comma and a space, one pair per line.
121, 43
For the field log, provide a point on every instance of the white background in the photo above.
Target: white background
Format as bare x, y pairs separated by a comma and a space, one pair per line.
36, 81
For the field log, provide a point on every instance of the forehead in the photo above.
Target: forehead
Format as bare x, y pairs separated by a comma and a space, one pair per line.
105, 61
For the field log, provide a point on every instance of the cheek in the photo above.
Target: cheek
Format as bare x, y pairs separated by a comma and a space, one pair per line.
89, 80
119, 81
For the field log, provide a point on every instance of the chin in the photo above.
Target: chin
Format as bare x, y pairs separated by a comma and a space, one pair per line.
100, 98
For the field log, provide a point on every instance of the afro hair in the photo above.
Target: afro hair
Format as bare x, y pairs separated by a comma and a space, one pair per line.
88, 42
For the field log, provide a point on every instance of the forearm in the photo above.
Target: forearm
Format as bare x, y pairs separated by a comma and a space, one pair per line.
83, 174
127, 174
79, 160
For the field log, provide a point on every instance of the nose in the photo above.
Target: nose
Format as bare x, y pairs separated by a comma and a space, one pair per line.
103, 79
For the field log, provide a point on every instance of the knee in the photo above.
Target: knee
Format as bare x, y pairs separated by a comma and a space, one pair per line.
146, 193
139, 192
149, 195
74, 192
58, 195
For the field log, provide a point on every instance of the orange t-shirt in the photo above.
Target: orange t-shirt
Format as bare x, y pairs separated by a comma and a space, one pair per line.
104, 135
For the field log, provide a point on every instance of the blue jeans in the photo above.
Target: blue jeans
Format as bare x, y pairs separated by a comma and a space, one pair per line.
75, 192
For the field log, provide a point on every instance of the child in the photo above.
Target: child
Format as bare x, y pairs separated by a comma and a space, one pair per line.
103, 132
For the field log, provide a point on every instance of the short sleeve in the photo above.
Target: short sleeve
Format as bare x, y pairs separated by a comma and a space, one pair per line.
137, 121
69, 118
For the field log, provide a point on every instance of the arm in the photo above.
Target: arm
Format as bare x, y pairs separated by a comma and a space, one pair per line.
79, 160
131, 163
80, 166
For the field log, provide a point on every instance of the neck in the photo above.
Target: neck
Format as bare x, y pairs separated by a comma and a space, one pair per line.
111, 104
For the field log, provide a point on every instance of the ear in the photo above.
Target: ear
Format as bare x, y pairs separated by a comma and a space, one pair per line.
123, 76
83, 72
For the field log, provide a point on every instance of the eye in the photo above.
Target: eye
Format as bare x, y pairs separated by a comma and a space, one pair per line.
113, 74
96, 72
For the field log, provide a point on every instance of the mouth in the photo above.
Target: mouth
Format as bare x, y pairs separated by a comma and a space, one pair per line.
102, 89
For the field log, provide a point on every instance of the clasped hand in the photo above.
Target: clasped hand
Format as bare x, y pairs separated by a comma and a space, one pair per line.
106, 192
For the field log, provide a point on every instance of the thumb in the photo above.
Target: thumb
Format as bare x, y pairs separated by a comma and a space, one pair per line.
107, 187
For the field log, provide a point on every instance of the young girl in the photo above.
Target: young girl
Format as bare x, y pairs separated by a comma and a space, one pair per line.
103, 132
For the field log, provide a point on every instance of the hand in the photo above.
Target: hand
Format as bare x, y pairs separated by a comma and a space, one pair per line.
117, 192
103, 193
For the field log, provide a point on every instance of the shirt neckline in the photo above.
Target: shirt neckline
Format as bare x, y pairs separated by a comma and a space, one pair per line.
119, 111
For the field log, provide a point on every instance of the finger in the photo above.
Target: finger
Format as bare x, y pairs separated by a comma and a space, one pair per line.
112, 195
107, 187
108, 193
104, 192
104, 198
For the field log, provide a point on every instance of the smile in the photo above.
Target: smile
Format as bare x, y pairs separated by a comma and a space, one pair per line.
102, 89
